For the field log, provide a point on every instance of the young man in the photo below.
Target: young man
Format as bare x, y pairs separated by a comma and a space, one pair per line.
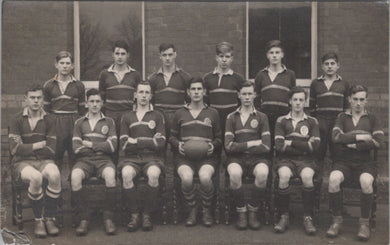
223, 83
169, 85
355, 134
196, 121
273, 84
247, 141
328, 97
32, 141
65, 98
142, 142
297, 138
117, 83
94, 142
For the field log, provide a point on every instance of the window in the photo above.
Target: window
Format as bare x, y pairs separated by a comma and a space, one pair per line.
100, 25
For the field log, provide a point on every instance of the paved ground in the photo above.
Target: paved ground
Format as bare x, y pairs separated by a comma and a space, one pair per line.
218, 234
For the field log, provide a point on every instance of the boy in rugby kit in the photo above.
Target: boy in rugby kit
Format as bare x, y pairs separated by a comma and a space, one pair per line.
356, 132
32, 139
196, 121
94, 142
297, 138
328, 97
247, 142
223, 83
64, 97
142, 142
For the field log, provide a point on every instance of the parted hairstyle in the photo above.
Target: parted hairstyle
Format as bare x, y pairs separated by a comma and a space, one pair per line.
165, 46
330, 55
296, 90
34, 87
224, 47
64, 54
120, 44
195, 80
94, 91
273, 44
357, 88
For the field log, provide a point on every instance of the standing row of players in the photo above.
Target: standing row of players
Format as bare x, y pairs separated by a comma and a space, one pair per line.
140, 132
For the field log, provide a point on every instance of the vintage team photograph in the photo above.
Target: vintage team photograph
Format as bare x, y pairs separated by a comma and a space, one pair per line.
141, 122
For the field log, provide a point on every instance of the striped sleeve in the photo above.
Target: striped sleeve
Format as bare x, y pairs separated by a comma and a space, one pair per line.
338, 135
81, 106
377, 137
17, 146
175, 130
280, 144
231, 145
265, 137
313, 98
313, 142
77, 140
49, 150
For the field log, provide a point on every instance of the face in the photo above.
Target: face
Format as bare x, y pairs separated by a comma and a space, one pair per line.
247, 95
143, 95
330, 67
275, 55
168, 57
224, 60
64, 66
358, 101
120, 56
297, 102
196, 92
34, 100
94, 104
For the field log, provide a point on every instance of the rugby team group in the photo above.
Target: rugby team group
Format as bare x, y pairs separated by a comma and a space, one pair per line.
123, 129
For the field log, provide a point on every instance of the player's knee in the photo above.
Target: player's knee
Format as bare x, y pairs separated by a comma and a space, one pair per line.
366, 181
284, 177
76, 179
153, 174
186, 177
109, 177
36, 179
307, 177
335, 179
53, 174
261, 172
235, 175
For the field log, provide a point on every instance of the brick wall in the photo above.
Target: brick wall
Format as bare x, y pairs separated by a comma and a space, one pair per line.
194, 29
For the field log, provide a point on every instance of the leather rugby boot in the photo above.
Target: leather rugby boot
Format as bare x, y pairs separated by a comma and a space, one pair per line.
39, 228
310, 229
134, 223
51, 227
82, 229
282, 225
335, 228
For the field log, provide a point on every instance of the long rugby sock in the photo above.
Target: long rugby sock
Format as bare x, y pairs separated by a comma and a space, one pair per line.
365, 205
308, 201
336, 203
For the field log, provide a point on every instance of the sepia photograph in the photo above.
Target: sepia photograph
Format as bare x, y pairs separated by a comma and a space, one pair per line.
185, 122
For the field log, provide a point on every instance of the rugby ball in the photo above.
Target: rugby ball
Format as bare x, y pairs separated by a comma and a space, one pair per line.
195, 149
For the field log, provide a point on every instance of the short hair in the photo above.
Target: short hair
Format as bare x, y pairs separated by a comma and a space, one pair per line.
195, 80
165, 46
297, 90
120, 44
146, 83
247, 84
224, 47
330, 55
357, 88
94, 91
274, 44
64, 54
34, 87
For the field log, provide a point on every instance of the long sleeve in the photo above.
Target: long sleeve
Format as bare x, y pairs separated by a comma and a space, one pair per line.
338, 135
346, 94
377, 137
280, 145
46, 98
17, 146
48, 151
77, 141
217, 140
81, 106
312, 143
313, 99
231, 145
265, 138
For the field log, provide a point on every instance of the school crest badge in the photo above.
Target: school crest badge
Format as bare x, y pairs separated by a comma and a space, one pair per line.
105, 129
304, 130
152, 124
254, 123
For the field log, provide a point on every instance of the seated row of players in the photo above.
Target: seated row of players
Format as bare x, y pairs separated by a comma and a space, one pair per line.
63, 97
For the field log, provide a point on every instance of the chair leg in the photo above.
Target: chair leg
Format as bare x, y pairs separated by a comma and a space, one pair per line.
19, 210
217, 213
227, 205
373, 210
174, 204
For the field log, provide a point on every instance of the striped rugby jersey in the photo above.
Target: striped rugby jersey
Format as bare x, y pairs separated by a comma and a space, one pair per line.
255, 128
222, 89
328, 103
344, 132
119, 95
205, 126
22, 137
274, 95
103, 137
71, 101
171, 97
305, 136
151, 124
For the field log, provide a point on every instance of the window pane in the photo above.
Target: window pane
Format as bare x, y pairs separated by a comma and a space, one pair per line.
288, 22
103, 23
